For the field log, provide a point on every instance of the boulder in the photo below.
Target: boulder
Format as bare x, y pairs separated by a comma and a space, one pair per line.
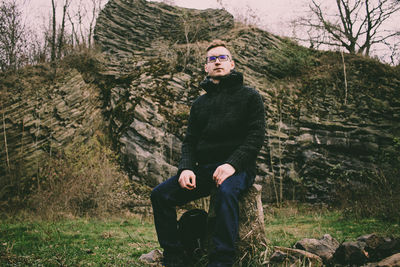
324, 247
379, 247
153, 258
393, 260
351, 253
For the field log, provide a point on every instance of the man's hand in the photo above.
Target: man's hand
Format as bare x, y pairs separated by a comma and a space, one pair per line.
187, 179
222, 172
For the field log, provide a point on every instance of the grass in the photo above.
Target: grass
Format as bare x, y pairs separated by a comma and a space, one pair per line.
286, 225
119, 241
76, 242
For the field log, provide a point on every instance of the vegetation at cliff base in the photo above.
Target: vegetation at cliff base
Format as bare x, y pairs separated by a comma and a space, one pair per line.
119, 241
90, 121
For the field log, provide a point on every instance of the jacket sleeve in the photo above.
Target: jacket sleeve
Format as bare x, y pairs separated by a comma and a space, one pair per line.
247, 152
188, 158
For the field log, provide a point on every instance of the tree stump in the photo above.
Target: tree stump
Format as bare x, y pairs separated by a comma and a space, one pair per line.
252, 242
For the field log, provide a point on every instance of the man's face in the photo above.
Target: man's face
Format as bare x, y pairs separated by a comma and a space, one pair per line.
218, 67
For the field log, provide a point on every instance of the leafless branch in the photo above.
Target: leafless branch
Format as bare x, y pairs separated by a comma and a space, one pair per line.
357, 24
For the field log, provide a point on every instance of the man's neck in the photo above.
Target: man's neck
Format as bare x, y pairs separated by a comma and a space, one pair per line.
216, 81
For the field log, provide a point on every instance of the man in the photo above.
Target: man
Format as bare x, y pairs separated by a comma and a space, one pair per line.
224, 135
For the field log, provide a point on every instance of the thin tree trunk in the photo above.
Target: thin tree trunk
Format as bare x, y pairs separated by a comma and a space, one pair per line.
53, 37
91, 24
36, 139
22, 137
61, 37
273, 171
345, 79
74, 34
280, 159
5, 141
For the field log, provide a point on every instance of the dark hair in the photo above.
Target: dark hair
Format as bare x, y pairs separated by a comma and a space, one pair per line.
216, 43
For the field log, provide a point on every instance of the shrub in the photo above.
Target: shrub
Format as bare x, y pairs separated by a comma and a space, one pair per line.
83, 179
87, 61
373, 193
290, 60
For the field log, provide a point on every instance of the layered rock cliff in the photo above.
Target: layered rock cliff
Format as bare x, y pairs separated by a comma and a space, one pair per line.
319, 123
41, 115
314, 125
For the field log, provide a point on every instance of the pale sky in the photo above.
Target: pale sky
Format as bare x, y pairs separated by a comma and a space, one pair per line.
274, 15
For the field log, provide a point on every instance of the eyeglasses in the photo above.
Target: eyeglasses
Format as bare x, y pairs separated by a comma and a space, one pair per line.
222, 58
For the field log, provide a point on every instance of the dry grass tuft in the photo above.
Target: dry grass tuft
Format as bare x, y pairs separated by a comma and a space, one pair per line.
85, 179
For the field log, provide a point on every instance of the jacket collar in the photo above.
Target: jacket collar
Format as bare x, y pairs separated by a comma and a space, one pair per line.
230, 82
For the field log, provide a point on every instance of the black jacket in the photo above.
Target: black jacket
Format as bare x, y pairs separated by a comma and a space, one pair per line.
226, 125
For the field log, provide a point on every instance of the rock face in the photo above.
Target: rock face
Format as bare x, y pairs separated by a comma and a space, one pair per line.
158, 52
40, 117
153, 60
151, 102
129, 28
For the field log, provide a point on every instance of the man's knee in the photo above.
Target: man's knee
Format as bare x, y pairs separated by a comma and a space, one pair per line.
163, 192
158, 194
234, 187
227, 192
155, 195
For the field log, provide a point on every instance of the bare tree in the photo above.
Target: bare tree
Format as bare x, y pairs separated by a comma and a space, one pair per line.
75, 40
61, 35
394, 57
355, 25
36, 49
53, 32
12, 36
96, 7
247, 15
82, 21
169, 2
70, 25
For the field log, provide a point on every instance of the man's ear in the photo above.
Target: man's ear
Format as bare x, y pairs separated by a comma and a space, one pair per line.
205, 68
232, 64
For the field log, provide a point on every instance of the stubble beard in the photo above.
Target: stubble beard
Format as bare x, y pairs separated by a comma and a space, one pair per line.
219, 76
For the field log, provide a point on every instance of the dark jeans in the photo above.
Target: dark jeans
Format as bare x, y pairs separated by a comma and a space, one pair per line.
167, 195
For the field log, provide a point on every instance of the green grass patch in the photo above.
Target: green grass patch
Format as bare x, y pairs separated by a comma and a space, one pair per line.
120, 241
286, 225
77, 242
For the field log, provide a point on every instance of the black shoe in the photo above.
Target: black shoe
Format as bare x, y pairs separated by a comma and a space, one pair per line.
173, 262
